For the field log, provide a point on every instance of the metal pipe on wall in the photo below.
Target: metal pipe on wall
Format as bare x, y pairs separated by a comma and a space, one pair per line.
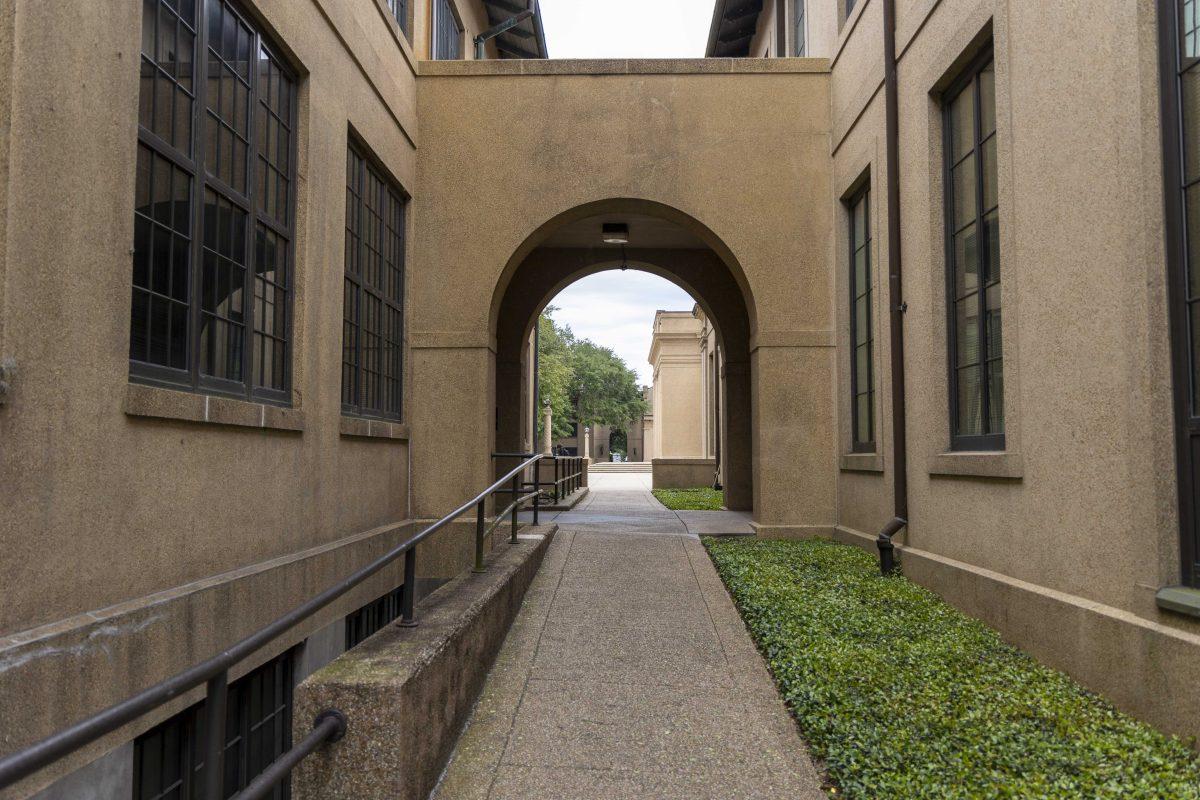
895, 296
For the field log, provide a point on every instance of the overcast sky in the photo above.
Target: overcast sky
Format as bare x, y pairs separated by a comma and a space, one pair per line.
616, 309
626, 28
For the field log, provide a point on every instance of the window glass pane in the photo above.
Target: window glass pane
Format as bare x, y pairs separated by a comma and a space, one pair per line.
1194, 324
991, 229
970, 402
962, 190
862, 318
800, 29
862, 277
962, 123
966, 330
987, 100
862, 367
995, 348
223, 311
990, 193
966, 261
1189, 95
863, 421
1189, 28
996, 397
1192, 221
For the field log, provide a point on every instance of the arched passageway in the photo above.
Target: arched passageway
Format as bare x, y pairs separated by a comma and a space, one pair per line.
662, 241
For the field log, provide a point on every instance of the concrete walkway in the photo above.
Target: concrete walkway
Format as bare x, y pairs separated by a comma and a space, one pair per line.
628, 673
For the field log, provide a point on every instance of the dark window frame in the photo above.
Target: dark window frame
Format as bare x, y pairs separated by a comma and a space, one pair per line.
1173, 64
800, 28
353, 403
861, 196
195, 162
969, 79
400, 9
441, 39
184, 733
363, 623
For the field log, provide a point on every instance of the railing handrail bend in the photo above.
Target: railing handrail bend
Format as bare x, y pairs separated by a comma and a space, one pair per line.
17, 766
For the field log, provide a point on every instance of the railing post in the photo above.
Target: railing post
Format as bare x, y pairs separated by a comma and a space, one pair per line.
409, 592
214, 736
537, 490
479, 524
516, 491
556, 484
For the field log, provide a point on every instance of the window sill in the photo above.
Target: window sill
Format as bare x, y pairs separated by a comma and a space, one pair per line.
1180, 599
861, 462
365, 428
158, 403
978, 464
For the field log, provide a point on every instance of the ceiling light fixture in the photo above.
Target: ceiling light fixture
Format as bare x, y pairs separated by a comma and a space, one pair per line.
615, 233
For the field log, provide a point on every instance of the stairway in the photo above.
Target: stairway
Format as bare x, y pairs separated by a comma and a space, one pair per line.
610, 467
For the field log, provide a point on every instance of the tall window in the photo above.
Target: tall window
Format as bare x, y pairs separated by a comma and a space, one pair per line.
399, 9
973, 260
799, 28
862, 373
1180, 74
447, 32
168, 760
212, 271
373, 304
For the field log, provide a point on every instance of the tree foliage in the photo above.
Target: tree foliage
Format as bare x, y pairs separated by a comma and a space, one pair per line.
584, 382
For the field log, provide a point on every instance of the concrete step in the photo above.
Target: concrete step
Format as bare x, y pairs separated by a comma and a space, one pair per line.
605, 467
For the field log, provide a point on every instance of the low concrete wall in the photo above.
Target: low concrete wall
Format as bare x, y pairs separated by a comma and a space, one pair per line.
407, 692
683, 473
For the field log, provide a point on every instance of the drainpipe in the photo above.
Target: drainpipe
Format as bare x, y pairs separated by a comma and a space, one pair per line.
496, 30
887, 562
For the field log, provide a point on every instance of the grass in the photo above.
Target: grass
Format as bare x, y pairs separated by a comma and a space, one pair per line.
902, 696
699, 499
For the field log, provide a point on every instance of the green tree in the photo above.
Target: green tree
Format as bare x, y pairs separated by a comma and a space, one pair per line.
583, 382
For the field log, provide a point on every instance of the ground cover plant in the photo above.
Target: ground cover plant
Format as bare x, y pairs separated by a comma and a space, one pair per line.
699, 499
902, 696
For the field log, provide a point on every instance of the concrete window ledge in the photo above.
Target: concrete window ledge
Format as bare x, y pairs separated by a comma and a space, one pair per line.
1180, 599
363, 428
158, 403
861, 462
978, 465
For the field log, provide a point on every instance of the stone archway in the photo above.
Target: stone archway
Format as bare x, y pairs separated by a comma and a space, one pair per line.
664, 242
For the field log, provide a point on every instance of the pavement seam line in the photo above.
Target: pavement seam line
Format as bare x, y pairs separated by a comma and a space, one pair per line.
529, 671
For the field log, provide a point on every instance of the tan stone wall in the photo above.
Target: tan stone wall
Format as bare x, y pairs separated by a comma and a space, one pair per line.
117, 494
578, 133
679, 388
1079, 509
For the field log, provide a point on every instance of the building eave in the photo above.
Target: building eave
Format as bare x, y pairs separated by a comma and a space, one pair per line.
733, 25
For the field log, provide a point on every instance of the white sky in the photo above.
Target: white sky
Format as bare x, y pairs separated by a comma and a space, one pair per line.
626, 28
616, 309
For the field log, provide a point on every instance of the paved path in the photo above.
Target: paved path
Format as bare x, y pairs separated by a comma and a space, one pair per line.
628, 674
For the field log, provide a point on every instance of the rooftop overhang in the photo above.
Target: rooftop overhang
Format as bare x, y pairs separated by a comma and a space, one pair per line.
526, 40
733, 25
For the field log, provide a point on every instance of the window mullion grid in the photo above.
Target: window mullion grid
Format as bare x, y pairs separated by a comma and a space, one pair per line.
249, 310
983, 268
360, 217
199, 117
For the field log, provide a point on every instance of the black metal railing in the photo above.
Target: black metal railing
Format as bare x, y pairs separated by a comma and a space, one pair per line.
329, 726
568, 476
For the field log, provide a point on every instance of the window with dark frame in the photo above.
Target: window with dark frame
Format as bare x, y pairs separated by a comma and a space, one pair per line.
976, 358
168, 760
799, 28
212, 255
1179, 30
862, 340
373, 617
399, 9
373, 301
447, 32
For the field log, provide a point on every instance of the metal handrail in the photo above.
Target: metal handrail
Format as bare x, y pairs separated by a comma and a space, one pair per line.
573, 480
215, 672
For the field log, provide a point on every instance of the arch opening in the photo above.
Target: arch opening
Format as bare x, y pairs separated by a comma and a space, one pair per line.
663, 242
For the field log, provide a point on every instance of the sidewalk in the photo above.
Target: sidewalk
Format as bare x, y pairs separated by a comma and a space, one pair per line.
628, 674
